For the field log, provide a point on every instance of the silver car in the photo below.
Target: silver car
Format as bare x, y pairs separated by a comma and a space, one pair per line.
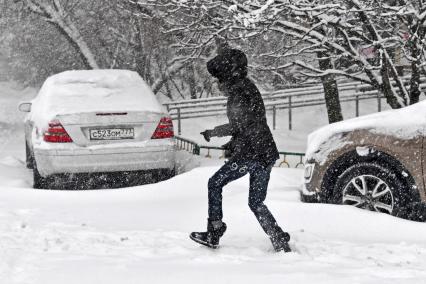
96, 121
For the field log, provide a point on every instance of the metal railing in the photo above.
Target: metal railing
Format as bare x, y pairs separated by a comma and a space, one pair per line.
195, 149
289, 100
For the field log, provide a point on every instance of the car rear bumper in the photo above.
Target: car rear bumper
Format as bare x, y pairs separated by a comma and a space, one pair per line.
81, 160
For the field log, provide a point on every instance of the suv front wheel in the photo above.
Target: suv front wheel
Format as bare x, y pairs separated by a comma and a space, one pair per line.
373, 187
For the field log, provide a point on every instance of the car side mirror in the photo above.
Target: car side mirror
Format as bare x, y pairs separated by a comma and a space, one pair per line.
24, 107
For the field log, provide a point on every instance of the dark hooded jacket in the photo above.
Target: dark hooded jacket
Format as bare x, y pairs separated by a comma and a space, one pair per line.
251, 136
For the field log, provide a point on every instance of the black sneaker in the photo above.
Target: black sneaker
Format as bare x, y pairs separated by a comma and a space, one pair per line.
280, 242
212, 236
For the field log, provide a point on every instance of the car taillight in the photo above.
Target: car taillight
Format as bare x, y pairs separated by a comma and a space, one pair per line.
164, 129
56, 133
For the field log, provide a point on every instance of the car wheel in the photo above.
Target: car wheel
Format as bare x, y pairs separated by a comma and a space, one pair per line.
373, 187
169, 173
29, 156
163, 174
416, 211
40, 182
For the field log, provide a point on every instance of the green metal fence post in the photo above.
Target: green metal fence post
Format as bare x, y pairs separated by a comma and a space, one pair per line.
379, 102
179, 122
356, 105
274, 117
196, 150
289, 113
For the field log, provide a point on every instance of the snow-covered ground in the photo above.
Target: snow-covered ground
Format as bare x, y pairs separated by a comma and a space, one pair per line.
140, 234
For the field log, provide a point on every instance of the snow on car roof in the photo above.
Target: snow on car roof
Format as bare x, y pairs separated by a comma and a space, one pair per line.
404, 123
80, 91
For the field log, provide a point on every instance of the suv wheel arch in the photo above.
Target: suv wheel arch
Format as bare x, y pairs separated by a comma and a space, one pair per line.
375, 157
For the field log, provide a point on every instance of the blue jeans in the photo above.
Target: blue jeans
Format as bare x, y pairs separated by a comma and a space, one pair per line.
259, 179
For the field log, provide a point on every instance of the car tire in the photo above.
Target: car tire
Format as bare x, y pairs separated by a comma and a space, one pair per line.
164, 174
29, 156
171, 173
40, 182
373, 187
415, 211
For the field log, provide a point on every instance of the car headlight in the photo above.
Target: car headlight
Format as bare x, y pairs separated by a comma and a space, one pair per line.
309, 169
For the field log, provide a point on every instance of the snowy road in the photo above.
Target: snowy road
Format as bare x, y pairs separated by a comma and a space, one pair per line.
140, 234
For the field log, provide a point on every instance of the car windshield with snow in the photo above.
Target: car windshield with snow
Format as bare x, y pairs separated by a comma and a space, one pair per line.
374, 162
97, 121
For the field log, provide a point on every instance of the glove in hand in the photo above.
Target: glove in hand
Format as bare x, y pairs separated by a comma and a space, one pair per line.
207, 135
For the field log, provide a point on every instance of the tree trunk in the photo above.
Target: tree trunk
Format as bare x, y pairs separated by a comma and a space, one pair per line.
414, 83
75, 39
172, 69
141, 58
331, 92
53, 13
413, 45
192, 84
386, 86
388, 68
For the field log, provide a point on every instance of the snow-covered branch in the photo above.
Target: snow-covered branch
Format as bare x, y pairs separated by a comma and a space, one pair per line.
53, 12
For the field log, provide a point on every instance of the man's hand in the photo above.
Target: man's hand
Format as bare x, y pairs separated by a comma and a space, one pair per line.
207, 134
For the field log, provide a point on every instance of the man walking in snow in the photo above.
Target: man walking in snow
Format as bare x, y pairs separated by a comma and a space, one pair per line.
252, 149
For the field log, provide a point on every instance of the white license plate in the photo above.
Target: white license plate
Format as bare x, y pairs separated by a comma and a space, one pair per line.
112, 133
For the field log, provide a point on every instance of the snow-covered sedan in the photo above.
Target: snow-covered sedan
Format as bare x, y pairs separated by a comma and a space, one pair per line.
96, 121
375, 162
